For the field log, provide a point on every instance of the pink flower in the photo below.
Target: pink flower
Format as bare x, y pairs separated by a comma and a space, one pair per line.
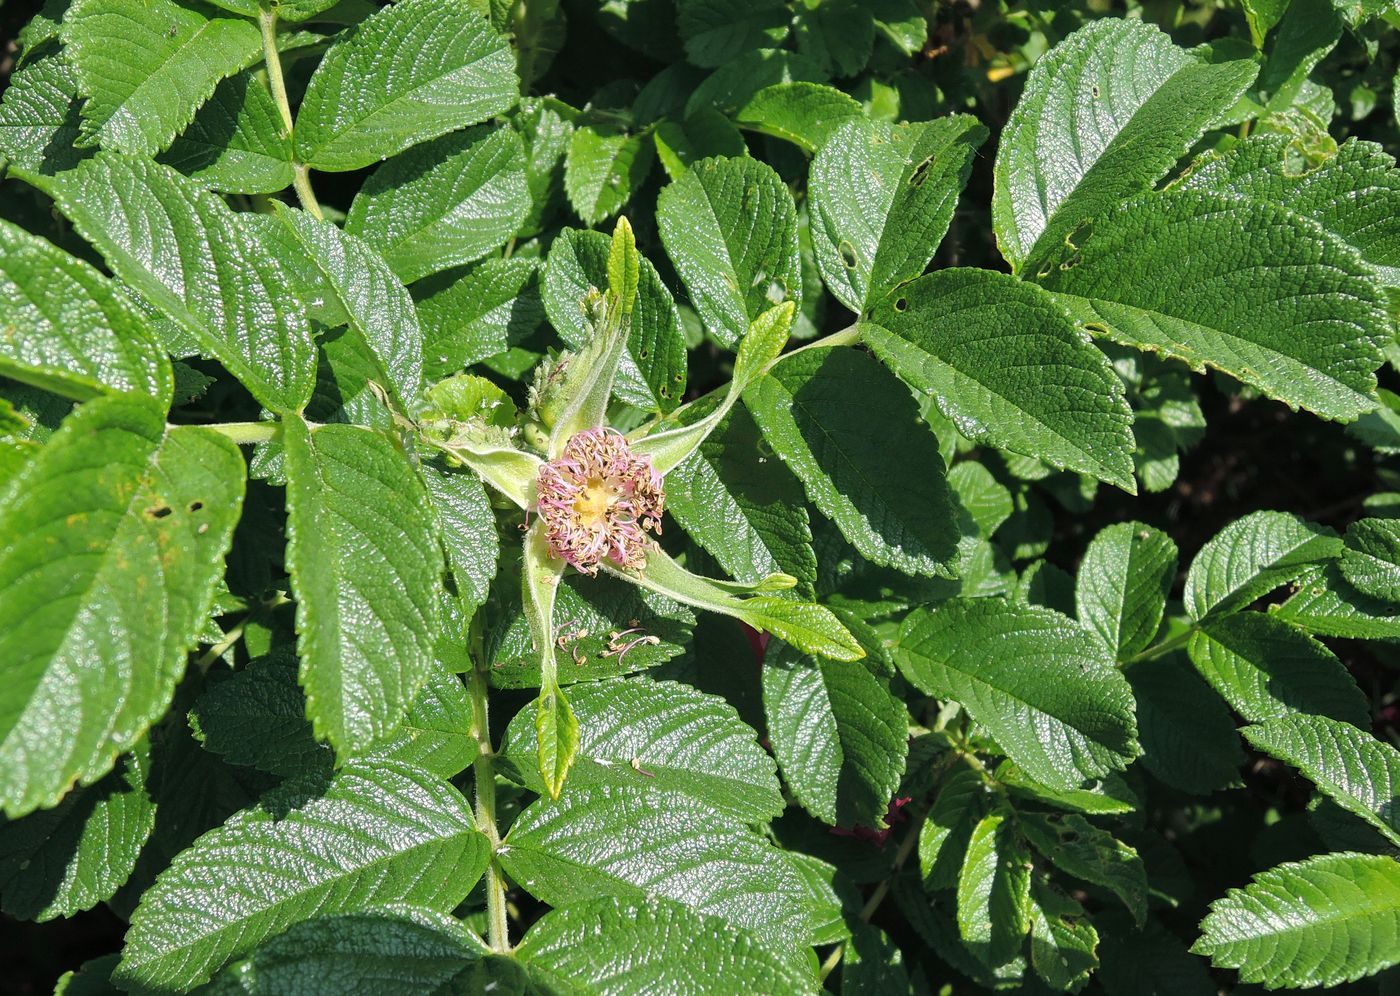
597, 500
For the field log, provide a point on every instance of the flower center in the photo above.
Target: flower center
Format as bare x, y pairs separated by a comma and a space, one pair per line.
598, 499
593, 504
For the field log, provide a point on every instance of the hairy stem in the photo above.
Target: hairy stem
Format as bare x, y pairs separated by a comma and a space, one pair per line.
301, 178
484, 774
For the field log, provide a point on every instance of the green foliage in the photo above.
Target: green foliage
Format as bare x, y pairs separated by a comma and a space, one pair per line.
539, 496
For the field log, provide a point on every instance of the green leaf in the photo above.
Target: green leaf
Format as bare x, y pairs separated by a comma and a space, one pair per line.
743, 508
1331, 919
377, 832
715, 31
184, 251
885, 490
604, 167
483, 313
1109, 795
236, 142
1327, 605
1063, 940
587, 612
402, 949
634, 843
1357, 771
1043, 686
1181, 273
1105, 114
145, 68
128, 521
874, 233
1251, 557
1188, 735
60, 861
256, 718
1371, 558
1266, 668
66, 328
801, 112
39, 117
994, 892
445, 203
706, 133
468, 526
365, 562
410, 72
1122, 585
652, 373
556, 735
666, 948
1004, 362
358, 281
839, 35
958, 807
1263, 167
636, 732
730, 228
1078, 848
839, 734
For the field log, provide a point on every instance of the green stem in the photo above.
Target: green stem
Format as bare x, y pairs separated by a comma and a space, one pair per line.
484, 774
1163, 648
246, 433
301, 177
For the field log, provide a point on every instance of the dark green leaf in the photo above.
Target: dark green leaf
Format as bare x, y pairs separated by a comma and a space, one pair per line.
1122, 585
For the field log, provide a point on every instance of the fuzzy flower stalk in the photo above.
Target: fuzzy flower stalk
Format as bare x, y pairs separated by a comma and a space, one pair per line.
597, 496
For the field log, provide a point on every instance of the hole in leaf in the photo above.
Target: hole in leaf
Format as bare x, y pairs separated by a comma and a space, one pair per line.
159, 511
1094, 91
195, 506
920, 174
901, 304
848, 255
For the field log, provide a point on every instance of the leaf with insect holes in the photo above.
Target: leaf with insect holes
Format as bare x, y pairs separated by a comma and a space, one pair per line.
130, 520
1104, 115
873, 235
1002, 359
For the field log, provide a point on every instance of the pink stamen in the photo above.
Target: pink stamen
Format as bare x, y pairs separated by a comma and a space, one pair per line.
598, 500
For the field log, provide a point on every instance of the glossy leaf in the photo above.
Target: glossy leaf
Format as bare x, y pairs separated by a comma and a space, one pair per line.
993, 892
1188, 275
1251, 557
876, 232
1357, 771
376, 833
886, 491
67, 328
365, 560
1079, 848
1003, 361
1104, 115
411, 72
145, 68
448, 202
1122, 585
236, 142
636, 732
1327, 920
189, 256
603, 169
730, 228
130, 521
1371, 559
1043, 686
